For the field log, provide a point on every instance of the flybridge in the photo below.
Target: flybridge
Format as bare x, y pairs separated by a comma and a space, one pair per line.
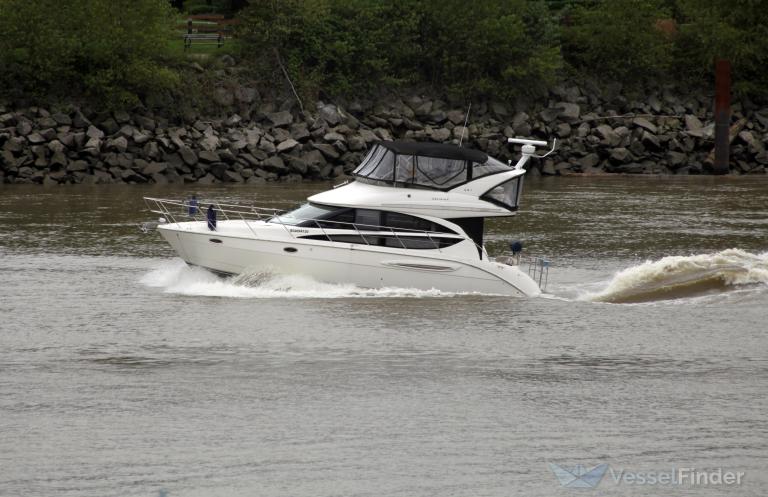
435, 166
425, 165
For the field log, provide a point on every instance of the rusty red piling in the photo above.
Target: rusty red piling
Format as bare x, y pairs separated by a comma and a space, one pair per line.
722, 115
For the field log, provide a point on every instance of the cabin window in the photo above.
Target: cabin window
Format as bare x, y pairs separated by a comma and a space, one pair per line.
367, 219
491, 166
385, 169
405, 222
305, 212
339, 220
371, 161
440, 173
506, 194
344, 218
408, 242
404, 169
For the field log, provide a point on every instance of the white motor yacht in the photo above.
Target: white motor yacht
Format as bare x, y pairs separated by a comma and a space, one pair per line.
412, 216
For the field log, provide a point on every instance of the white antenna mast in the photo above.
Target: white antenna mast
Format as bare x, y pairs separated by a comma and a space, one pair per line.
466, 119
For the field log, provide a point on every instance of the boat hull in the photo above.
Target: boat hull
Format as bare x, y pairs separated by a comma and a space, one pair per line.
346, 263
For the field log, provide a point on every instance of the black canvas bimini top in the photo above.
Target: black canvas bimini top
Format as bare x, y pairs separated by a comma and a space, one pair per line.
438, 150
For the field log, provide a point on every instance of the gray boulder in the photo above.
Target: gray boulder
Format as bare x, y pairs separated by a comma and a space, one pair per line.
274, 164
641, 122
569, 111
94, 132
145, 123
549, 115
455, 116
23, 128
334, 137
460, 132
609, 137
676, 159
368, 136
330, 114
326, 150
314, 157
208, 179
692, 122
35, 138
280, 119
286, 145
119, 144
441, 135
121, 116
589, 161
299, 131
563, 130
297, 165
210, 143
62, 119
209, 156
153, 168
620, 155
77, 165
651, 141
231, 176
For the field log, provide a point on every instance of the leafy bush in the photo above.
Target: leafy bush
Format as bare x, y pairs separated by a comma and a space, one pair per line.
344, 46
736, 30
619, 40
113, 50
488, 48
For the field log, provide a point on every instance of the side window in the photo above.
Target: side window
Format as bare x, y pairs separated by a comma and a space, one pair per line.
440, 173
404, 221
367, 219
507, 194
408, 242
343, 220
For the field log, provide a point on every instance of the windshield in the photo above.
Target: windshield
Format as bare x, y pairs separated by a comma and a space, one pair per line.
491, 166
304, 213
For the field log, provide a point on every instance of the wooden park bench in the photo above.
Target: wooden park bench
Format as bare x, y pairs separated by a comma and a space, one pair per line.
204, 39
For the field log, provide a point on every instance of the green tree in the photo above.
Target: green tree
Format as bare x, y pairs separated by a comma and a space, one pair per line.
736, 30
344, 46
337, 46
488, 47
113, 50
618, 40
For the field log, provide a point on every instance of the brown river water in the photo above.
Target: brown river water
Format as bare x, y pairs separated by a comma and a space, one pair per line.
125, 373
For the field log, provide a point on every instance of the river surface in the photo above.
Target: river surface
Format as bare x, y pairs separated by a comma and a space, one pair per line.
125, 373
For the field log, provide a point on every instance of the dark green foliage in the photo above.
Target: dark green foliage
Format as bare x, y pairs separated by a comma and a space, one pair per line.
340, 46
487, 47
651, 42
109, 50
736, 30
618, 39
118, 52
194, 7
332, 44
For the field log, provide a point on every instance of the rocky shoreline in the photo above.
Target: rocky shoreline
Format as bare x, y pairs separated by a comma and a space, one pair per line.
258, 141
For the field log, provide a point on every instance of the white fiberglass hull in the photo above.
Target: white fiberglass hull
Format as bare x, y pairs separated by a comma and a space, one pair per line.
345, 263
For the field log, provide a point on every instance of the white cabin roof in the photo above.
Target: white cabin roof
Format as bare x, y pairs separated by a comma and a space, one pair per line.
463, 201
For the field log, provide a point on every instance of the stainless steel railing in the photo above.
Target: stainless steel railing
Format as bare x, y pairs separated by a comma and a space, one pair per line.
538, 270
176, 211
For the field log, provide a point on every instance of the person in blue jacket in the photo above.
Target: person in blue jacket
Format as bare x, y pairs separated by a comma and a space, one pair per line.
211, 214
192, 204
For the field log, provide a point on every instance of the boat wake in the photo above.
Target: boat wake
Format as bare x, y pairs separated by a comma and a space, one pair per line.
678, 277
178, 278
